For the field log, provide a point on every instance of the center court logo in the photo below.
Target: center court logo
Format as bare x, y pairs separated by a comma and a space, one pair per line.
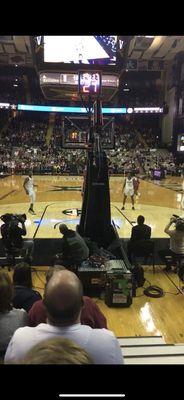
72, 211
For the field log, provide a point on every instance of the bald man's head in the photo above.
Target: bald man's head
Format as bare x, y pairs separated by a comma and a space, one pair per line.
50, 272
63, 298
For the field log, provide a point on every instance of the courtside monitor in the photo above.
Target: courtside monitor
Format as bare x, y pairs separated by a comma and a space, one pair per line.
157, 173
94, 50
89, 83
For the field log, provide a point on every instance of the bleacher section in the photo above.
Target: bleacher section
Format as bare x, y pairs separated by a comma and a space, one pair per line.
50, 128
35, 141
150, 350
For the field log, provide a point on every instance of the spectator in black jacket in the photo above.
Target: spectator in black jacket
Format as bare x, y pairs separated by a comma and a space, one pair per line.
141, 230
140, 233
24, 296
74, 248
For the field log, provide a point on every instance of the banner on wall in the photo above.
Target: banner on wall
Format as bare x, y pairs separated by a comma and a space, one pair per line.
155, 65
142, 65
131, 64
18, 59
145, 65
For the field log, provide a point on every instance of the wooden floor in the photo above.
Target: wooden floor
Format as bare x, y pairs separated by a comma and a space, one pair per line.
147, 316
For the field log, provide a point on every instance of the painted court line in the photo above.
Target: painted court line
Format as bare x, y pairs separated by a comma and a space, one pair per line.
7, 194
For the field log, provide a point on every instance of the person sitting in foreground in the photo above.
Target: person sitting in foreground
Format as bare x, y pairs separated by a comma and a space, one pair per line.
73, 246
140, 233
90, 314
24, 296
56, 351
63, 301
10, 318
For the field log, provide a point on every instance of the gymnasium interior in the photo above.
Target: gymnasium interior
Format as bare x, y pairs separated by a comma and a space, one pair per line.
81, 113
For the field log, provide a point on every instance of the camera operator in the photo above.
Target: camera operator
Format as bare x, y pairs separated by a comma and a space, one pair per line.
176, 248
12, 234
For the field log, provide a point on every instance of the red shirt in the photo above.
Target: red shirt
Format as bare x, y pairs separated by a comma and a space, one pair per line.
90, 315
136, 184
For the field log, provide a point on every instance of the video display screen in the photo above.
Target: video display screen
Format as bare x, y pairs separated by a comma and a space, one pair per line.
97, 50
157, 173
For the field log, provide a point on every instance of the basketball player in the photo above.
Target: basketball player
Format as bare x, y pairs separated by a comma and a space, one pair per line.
136, 183
29, 188
182, 196
128, 188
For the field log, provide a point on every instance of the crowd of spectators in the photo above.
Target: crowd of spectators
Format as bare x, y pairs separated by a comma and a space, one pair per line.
24, 133
163, 160
129, 145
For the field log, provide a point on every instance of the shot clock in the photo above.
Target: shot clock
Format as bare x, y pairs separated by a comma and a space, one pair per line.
89, 83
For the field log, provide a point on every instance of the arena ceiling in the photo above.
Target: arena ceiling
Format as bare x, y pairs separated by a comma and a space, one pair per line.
17, 49
155, 47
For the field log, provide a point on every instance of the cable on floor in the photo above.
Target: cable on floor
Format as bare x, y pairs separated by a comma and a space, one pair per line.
153, 291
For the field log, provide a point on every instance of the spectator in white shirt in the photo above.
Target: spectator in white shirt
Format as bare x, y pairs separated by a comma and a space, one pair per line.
176, 248
63, 302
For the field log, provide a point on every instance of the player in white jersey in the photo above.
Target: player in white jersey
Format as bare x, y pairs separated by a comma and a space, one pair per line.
128, 189
29, 188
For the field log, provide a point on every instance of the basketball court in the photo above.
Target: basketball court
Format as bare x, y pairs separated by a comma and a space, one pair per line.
59, 200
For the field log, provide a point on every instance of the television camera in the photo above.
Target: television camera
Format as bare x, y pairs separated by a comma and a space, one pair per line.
179, 222
13, 218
